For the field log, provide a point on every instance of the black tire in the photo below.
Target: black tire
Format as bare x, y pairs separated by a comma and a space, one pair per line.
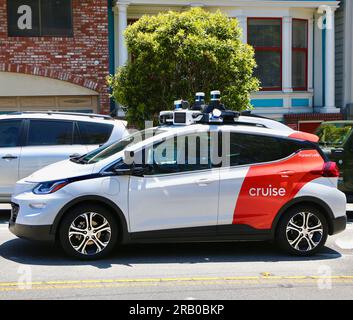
302, 247
77, 217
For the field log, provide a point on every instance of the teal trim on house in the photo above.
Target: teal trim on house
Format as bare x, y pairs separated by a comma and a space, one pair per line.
267, 103
300, 102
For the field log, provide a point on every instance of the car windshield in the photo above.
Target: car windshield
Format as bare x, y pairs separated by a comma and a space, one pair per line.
109, 150
334, 134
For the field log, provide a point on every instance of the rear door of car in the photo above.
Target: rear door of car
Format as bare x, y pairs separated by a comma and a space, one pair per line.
260, 175
10, 150
48, 141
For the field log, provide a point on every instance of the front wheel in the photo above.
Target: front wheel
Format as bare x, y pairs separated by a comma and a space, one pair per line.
88, 232
302, 231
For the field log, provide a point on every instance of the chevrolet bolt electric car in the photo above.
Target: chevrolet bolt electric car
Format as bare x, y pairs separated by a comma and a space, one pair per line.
32, 140
196, 177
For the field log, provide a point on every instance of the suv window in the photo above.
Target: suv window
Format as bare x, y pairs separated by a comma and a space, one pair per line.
180, 154
50, 133
9, 133
247, 149
94, 133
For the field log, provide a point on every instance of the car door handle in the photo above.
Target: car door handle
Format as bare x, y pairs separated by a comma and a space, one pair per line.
204, 182
9, 157
287, 173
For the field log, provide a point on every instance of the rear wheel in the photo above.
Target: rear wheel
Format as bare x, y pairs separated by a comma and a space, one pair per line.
302, 231
88, 232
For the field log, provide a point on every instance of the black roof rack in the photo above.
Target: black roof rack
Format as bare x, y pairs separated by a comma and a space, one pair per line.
79, 114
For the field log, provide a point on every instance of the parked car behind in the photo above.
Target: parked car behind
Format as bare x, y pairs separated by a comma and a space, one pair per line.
336, 140
32, 140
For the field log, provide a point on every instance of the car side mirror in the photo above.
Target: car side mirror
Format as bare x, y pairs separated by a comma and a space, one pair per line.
129, 170
119, 171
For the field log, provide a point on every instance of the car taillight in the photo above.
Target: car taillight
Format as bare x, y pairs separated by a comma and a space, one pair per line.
329, 170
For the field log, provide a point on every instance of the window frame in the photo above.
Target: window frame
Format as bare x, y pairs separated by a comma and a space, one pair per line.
306, 51
271, 49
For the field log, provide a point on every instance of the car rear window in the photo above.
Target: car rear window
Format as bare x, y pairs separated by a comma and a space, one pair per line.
249, 149
94, 133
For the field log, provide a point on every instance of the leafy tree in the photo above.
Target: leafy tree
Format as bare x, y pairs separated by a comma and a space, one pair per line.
174, 55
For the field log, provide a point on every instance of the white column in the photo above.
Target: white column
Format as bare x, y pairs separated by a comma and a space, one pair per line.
243, 23
311, 55
120, 10
318, 64
330, 62
287, 55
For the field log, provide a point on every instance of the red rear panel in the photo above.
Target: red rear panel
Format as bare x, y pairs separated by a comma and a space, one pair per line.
268, 187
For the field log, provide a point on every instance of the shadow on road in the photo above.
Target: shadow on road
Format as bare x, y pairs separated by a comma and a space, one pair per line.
32, 253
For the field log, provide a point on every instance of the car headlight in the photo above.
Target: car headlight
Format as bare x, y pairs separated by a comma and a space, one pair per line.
49, 187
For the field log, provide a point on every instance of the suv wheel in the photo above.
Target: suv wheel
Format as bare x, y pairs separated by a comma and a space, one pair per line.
88, 232
302, 231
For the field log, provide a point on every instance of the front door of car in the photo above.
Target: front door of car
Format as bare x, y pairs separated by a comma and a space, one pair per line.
179, 189
10, 150
48, 141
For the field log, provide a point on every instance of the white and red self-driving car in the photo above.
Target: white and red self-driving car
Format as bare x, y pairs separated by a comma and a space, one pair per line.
198, 176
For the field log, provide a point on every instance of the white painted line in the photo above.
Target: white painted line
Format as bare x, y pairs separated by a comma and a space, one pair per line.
350, 207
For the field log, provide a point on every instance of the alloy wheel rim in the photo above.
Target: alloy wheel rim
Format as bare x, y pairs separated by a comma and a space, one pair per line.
89, 233
304, 231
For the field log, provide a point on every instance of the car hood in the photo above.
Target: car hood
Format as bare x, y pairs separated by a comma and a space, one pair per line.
61, 170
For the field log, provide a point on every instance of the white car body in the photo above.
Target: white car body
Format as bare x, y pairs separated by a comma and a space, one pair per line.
224, 202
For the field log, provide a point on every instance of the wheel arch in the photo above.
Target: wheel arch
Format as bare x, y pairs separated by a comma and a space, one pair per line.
306, 200
110, 205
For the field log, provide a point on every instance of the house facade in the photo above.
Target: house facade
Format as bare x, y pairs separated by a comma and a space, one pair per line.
54, 54
295, 49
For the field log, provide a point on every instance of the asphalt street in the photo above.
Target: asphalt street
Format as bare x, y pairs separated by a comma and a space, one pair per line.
214, 271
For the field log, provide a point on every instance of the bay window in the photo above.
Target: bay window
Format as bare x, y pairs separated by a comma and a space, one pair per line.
265, 35
300, 55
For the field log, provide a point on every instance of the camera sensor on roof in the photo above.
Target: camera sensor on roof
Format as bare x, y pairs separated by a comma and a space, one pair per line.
199, 112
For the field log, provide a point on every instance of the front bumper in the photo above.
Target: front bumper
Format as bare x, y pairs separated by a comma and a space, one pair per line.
29, 232
36, 233
338, 225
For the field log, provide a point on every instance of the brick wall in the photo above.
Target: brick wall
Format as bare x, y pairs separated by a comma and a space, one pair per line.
83, 59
